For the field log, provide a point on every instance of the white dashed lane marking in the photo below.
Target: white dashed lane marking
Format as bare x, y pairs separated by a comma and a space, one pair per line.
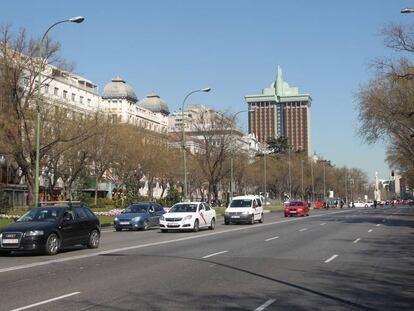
214, 254
357, 240
331, 258
270, 239
265, 305
46, 301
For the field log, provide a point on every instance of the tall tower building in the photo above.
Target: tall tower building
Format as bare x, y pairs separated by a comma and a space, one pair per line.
281, 111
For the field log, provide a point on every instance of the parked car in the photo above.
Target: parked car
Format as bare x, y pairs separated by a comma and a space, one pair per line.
297, 208
48, 229
248, 209
140, 215
188, 216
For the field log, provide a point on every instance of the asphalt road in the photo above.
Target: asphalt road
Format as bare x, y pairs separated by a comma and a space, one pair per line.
350, 259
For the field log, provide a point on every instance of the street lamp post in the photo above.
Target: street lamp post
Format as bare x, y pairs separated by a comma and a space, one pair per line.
290, 174
78, 19
313, 185
207, 89
351, 185
303, 195
346, 188
324, 181
265, 177
232, 153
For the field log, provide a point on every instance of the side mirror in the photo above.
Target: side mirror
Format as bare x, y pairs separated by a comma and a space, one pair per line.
15, 219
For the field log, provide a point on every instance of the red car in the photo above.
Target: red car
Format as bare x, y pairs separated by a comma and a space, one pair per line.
318, 204
297, 208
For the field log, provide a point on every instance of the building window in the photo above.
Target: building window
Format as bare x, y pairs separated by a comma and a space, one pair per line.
46, 88
81, 99
89, 101
56, 91
73, 97
65, 94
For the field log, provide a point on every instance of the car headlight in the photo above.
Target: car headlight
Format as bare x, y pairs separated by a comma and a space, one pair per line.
136, 219
1, 235
162, 218
116, 219
34, 233
188, 217
245, 213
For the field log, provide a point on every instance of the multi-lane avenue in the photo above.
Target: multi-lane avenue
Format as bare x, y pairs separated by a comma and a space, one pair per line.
339, 259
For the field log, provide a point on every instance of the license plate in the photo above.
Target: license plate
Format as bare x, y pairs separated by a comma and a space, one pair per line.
293, 212
235, 216
172, 224
10, 241
124, 223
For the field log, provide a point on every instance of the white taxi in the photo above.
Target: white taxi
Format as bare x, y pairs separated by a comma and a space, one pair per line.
188, 216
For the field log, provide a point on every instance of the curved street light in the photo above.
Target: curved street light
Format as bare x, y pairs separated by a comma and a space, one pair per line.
232, 153
407, 10
77, 19
206, 89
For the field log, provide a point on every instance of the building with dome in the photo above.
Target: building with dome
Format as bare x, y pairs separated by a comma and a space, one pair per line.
121, 103
154, 103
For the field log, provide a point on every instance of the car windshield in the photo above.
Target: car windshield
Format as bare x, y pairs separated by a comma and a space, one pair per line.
137, 208
42, 214
184, 208
241, 203
296, 204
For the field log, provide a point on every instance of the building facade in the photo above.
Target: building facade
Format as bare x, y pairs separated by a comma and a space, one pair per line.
120, 102
281, 111
198, 119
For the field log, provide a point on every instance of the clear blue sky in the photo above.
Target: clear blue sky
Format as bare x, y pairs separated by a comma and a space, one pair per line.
171, 47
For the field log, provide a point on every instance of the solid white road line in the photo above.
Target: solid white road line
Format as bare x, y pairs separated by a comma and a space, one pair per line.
215, 254
303, 229
269, 239
357, 240
265, 305
331, 258
46, 301
323, 224
370, 230
138, 246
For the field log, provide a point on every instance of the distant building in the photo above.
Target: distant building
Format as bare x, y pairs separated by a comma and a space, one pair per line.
120, 102
281, 111
190, 119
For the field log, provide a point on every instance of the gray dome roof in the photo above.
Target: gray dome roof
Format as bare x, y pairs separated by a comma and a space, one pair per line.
154, 103
118, 88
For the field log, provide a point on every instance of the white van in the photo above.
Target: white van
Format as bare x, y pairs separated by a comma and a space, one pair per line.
248, 208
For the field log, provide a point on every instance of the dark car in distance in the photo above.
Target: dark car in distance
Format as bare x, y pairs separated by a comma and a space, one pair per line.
140, 215
48, 229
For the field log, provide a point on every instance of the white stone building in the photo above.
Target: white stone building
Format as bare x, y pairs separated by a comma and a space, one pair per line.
192, 128
120, 101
